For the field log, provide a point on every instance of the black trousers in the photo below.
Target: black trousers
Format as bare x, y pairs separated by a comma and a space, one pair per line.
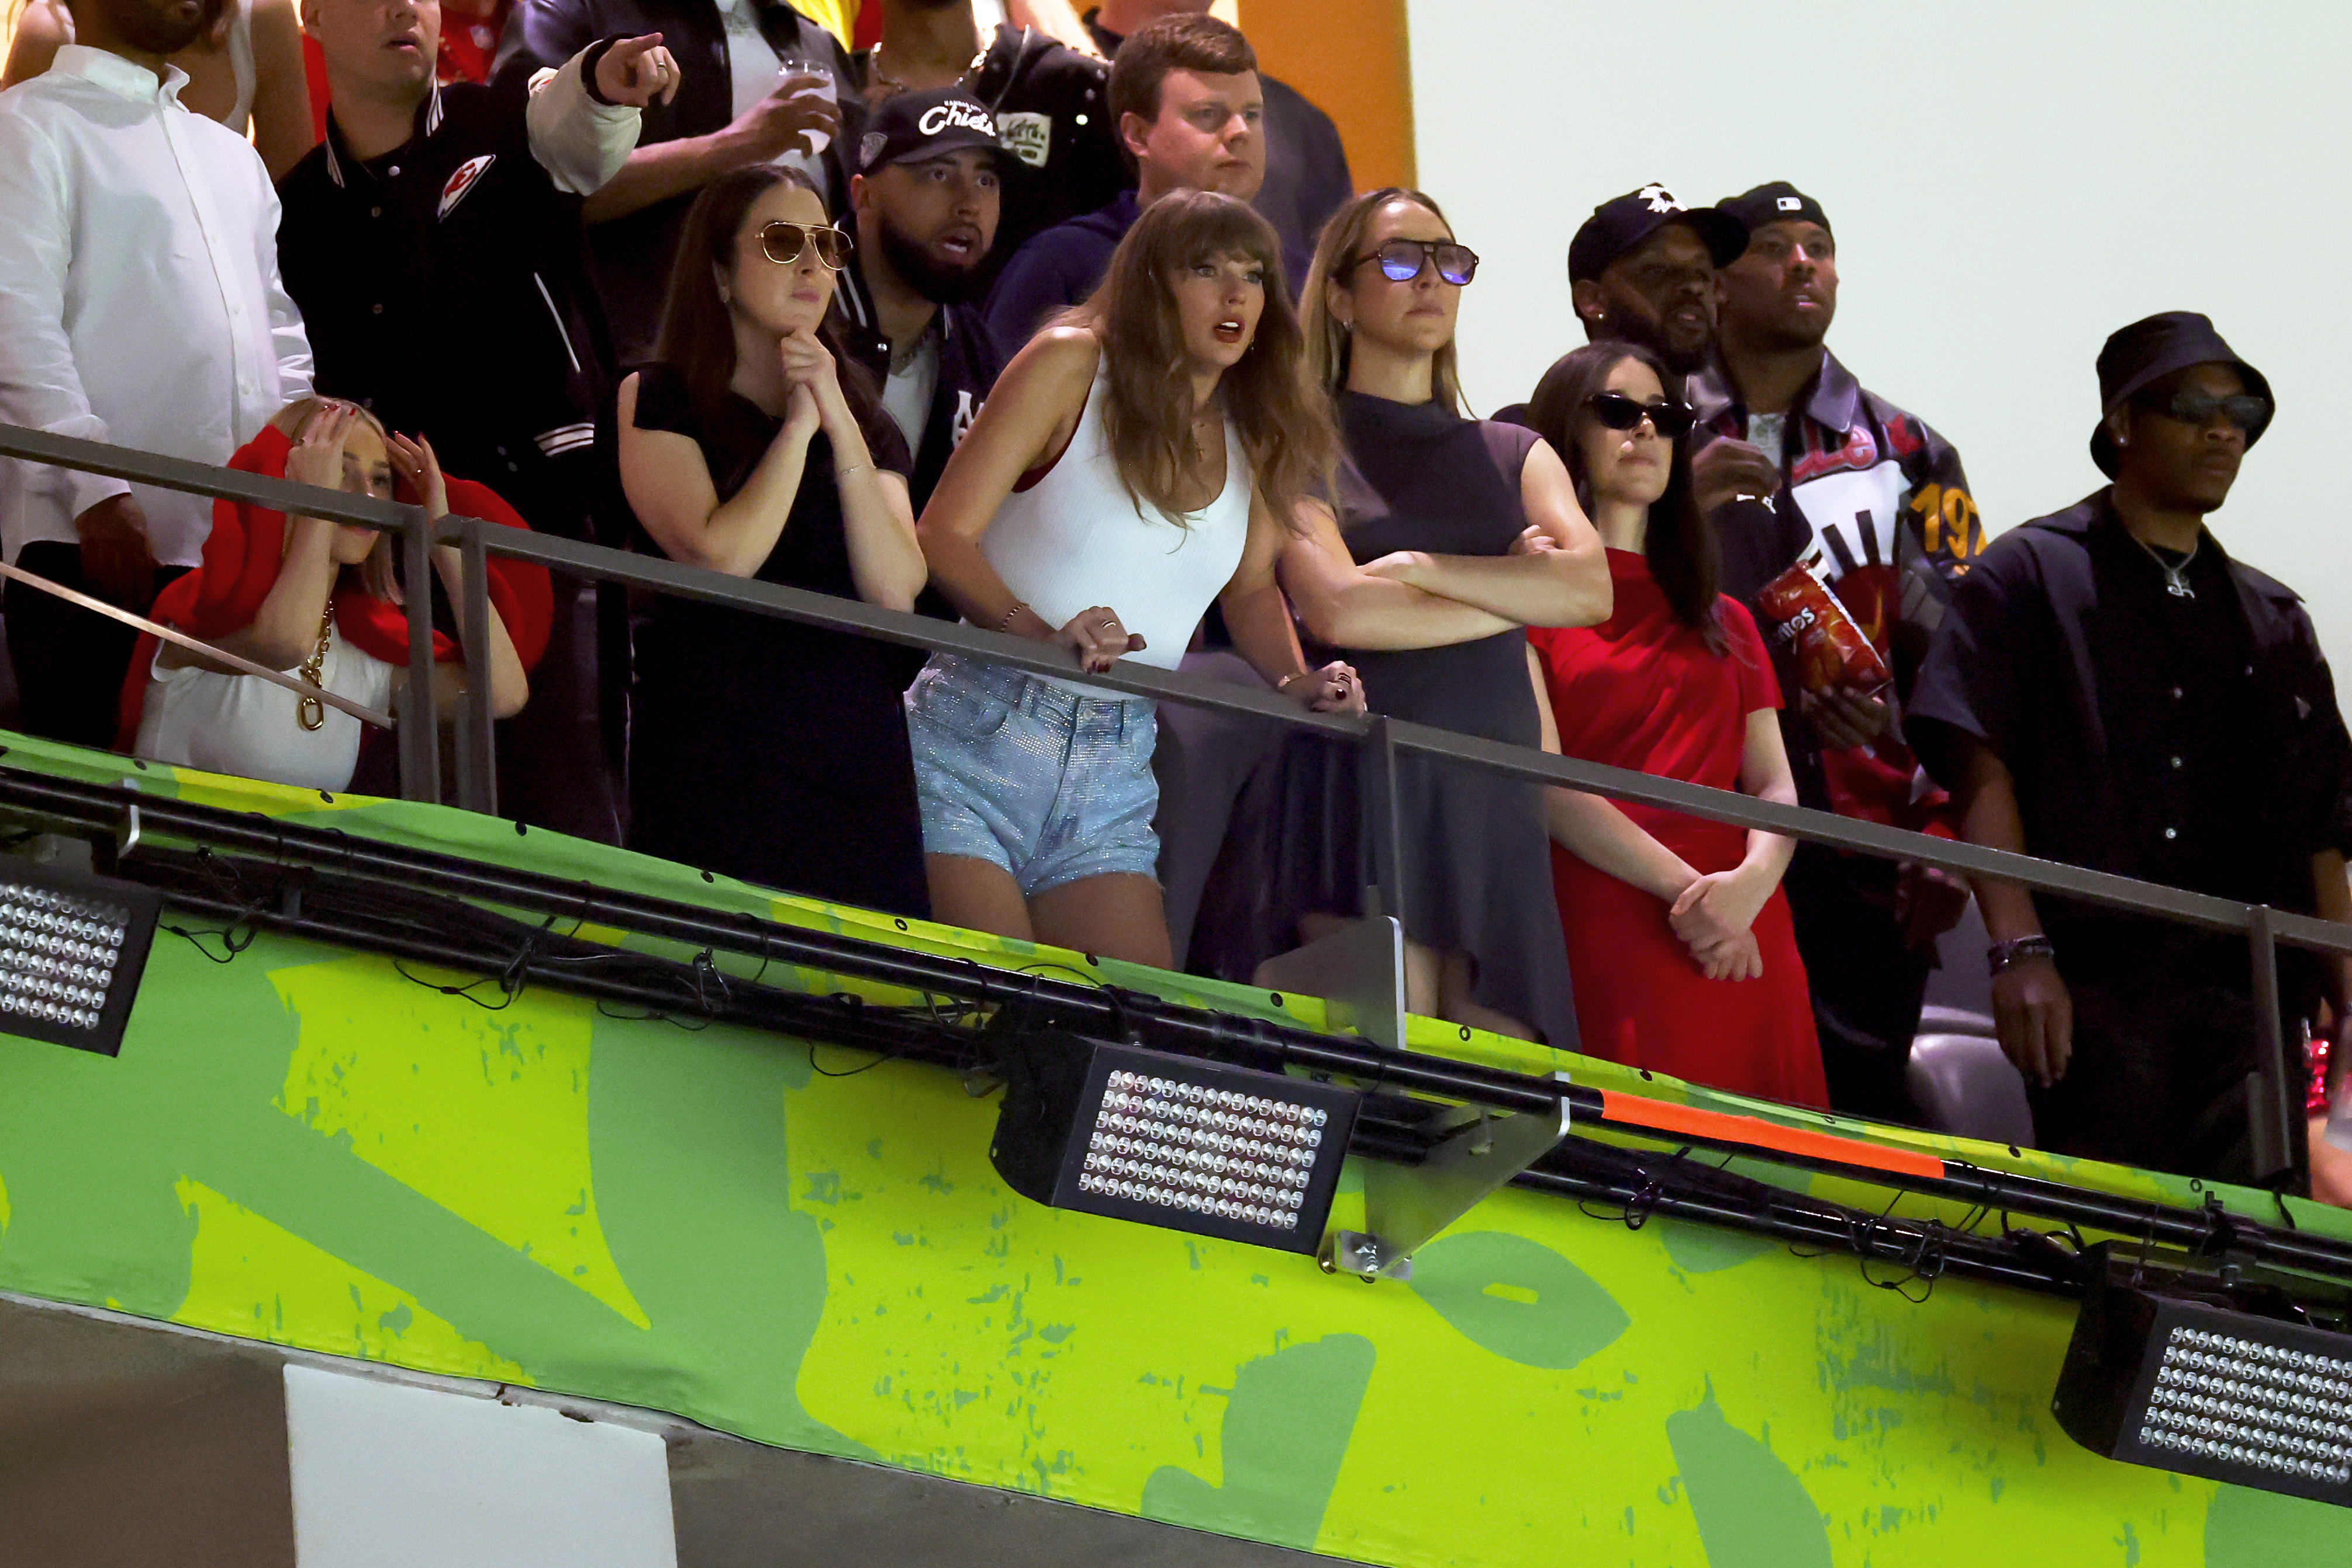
2162, 1046
1867, 984
69, 661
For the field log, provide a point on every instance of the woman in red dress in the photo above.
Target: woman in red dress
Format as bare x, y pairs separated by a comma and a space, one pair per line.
1679, 934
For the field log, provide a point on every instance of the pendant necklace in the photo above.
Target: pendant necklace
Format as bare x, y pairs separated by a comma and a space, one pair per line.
2176, 580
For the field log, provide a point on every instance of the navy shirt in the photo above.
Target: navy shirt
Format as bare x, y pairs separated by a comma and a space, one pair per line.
1058, 269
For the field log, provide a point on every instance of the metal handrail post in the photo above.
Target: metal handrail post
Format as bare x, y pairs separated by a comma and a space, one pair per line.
2270, 1087
420, 721
1380, 822
477, 735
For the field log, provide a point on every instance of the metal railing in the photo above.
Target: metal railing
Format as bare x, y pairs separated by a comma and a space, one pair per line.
1379, 742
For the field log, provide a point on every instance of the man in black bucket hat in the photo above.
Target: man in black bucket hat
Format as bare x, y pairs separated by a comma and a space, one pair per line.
2110, 690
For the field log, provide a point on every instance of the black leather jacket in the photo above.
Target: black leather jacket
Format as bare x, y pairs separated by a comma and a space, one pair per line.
632, 254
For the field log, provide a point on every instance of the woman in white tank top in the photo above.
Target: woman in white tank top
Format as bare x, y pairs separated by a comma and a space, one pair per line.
1130, 467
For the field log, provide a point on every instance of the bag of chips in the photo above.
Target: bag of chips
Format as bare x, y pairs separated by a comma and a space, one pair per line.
1803, 613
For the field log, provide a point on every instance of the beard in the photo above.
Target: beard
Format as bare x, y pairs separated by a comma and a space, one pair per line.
940, 282
1684, 359
144, 26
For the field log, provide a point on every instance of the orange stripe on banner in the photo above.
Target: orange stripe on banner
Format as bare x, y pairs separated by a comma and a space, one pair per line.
1633, 1111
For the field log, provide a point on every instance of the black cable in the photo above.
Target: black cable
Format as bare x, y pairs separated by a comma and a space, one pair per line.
456, 880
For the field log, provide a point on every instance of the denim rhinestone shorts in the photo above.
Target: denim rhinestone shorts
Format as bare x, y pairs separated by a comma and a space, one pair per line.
1048, 783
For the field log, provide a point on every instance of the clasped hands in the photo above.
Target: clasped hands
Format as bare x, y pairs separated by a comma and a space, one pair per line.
1714, 917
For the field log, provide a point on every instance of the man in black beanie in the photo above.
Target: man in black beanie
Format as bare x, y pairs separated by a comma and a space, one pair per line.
2112, 690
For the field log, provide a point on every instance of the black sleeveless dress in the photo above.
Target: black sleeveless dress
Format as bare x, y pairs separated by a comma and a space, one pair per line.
1477, 876
759, 748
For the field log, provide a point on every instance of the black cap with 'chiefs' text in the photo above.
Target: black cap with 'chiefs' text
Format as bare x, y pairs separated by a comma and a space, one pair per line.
912, 125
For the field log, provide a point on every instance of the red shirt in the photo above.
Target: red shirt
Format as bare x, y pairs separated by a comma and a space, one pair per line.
468, 44
1644, 691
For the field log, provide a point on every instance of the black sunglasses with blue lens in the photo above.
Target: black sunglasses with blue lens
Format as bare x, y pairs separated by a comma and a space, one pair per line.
1401, 260
2194, 405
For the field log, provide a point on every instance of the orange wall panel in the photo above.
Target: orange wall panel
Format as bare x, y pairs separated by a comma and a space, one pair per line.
1350, 58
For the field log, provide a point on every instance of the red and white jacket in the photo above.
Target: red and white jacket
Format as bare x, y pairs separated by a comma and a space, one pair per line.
1887, 506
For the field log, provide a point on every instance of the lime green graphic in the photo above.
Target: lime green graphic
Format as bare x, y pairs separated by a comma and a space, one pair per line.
492, 1125
804, 1245
235, 1249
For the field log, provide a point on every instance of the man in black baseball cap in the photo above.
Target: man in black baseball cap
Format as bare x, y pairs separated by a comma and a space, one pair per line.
926, 197
1881, 499
1776, 201
1642, 269
2111, 690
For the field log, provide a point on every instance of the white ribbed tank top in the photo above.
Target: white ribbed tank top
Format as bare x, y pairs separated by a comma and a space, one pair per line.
1075, 539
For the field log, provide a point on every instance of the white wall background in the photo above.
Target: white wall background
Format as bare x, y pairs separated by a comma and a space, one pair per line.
2010, 181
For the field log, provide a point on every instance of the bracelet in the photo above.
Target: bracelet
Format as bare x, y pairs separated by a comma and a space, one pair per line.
1006, 624
2003, 956
1284, 684
840, 474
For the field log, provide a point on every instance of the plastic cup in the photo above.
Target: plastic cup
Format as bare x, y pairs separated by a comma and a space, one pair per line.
806, 77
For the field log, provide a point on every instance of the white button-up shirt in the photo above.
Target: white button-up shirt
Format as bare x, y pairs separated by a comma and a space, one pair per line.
138, 294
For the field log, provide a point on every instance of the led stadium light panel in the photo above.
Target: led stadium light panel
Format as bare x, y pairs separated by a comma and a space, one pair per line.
1172, 1142
72, 949
2184, 1385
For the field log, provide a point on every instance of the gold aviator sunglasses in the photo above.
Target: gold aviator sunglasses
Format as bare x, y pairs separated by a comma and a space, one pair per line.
783, 243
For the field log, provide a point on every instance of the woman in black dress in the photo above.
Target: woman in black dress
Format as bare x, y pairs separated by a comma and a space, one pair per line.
764, 750
1479, 514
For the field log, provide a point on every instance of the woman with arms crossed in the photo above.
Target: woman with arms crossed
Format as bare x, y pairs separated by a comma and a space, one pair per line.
1459, 510
1686, 962
758, 748
1133, 463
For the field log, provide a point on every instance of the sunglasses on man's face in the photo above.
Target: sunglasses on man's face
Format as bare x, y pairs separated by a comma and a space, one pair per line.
783, 243
2194, 405
1619, 412
1401, 260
